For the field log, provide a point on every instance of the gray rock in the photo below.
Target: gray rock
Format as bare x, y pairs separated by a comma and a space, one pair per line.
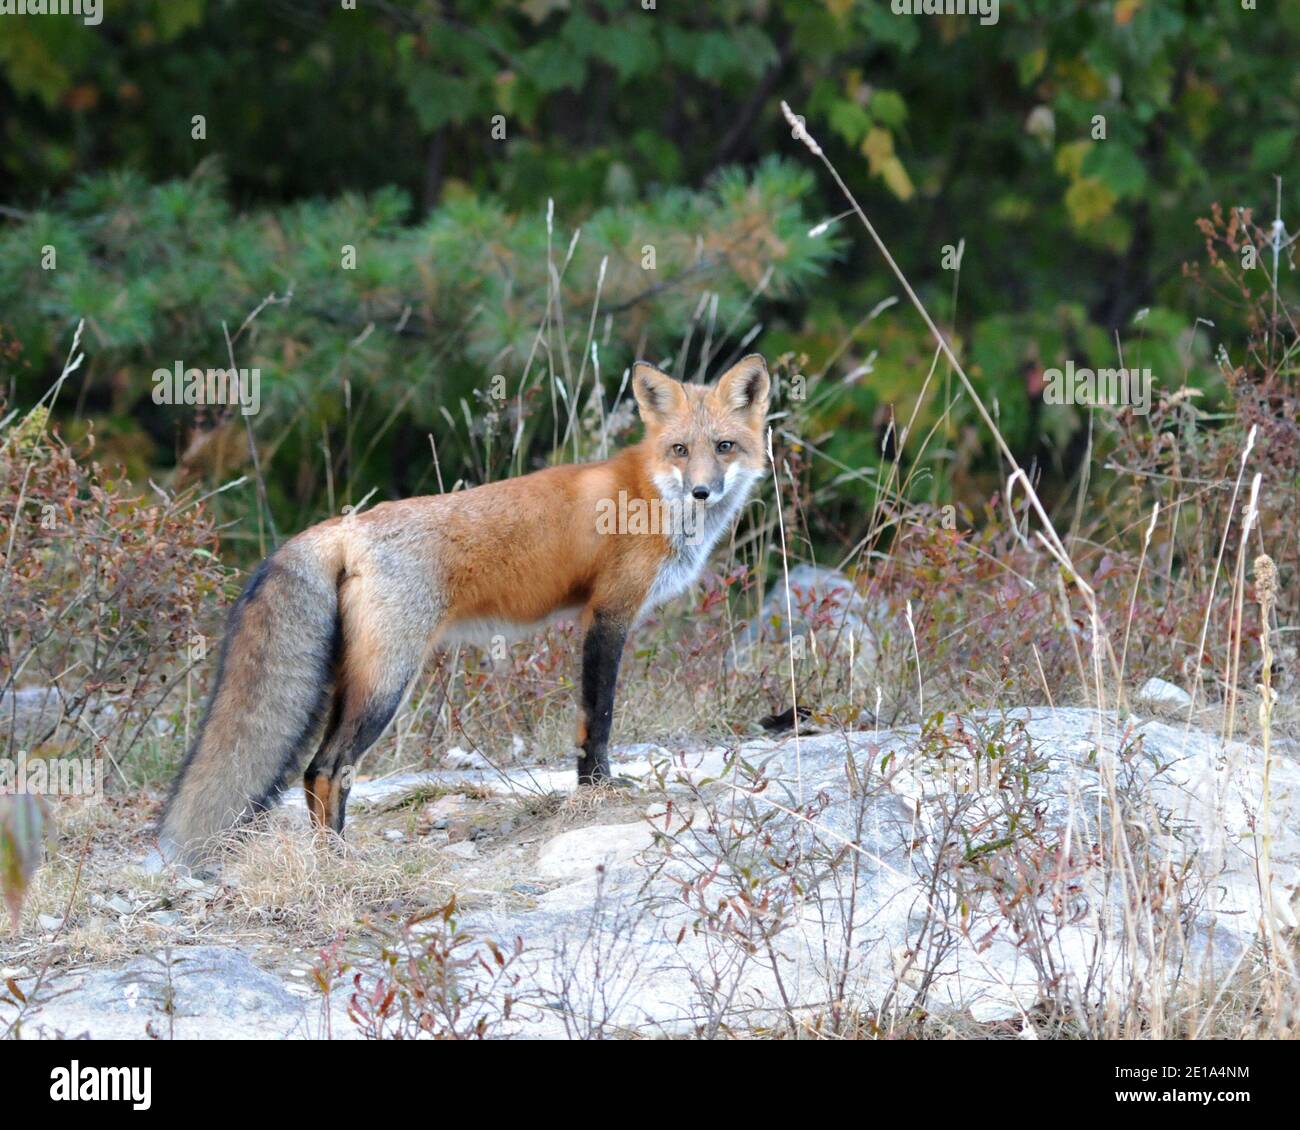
30, 711
619, 919
1157, 692
457, 758
209, 992
825, 612
151, 863
647, 925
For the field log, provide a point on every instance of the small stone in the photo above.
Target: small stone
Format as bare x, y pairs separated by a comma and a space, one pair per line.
1157, 692
394, 836
153, 862
49, 922
457, 758
463, 849
824, 603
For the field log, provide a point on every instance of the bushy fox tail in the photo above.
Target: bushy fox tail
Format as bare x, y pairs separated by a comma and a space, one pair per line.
273, 687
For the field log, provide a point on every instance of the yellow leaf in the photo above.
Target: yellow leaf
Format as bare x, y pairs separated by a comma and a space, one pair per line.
1125, 10
877, 147
1081, 78
1088, 201
895, 176
1033, 63
1069, 158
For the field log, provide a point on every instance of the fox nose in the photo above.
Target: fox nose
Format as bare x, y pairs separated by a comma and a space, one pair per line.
701, 492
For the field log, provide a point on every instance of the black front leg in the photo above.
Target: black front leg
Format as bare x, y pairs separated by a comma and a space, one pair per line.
602, 650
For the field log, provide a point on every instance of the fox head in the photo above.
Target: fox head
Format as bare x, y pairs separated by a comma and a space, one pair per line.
706, 441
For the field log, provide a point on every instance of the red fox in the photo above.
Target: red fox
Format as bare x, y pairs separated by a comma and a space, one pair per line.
333, 628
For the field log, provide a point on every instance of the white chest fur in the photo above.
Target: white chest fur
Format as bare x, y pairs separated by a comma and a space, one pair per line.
691, 542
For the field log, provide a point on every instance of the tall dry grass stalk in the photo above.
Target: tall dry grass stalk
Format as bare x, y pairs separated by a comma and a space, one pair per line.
1266, 593
1139, 935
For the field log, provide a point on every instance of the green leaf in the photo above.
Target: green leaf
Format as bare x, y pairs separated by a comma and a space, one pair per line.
849, 120
438, 98
629, 51
552, 65
888, 107
1272, 150
1116, 166
176, 16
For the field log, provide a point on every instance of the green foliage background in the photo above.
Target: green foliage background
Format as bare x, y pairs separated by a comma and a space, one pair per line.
373, 127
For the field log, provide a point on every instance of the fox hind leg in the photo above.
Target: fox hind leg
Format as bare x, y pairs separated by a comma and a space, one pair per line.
362, 717
315, 781
384, 646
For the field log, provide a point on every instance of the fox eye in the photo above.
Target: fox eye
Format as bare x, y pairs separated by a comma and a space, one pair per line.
724, 446
680, 449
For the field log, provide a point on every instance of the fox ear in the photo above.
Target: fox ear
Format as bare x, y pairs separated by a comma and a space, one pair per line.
745, 386
657, 394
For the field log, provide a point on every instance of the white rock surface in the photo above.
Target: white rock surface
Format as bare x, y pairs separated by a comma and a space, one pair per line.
1190, 799
615, 917
215, 993
457, 758
577, 854
1157, 692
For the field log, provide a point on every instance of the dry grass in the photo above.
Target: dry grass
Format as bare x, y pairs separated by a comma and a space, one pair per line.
282, 881
278, 888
